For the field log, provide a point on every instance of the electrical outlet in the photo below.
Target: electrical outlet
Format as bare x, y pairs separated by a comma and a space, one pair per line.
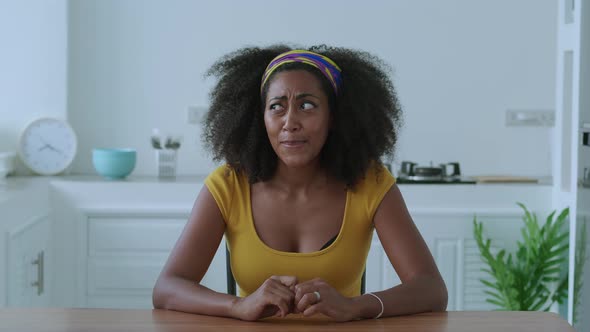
530, 118
195, 114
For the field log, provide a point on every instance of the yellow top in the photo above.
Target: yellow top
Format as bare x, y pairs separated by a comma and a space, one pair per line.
341, 264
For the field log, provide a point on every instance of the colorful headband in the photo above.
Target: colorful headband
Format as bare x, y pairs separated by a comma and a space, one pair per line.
328, 68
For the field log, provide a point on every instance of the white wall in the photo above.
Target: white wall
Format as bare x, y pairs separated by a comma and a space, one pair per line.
33, 59
459, 64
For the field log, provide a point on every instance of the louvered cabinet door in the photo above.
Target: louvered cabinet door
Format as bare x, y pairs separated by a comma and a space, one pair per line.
449, 236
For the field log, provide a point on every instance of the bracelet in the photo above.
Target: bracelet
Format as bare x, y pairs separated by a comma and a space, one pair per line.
382, 306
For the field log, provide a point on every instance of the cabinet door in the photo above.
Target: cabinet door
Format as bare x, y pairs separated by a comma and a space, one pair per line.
452, 244
449, 236
125, 255
29, 263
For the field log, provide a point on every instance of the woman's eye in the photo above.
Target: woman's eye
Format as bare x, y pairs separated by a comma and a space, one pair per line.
307, 106
276, 107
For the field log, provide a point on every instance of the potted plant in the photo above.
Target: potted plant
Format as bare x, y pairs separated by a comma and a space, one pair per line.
532, 278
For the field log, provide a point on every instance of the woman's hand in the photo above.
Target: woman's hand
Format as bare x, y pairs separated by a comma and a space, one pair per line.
330, 302
274, 297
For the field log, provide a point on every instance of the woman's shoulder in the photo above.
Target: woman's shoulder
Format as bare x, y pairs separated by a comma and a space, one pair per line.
224, 175
222, 171
223, 183
371, 189
224, 179
376, 176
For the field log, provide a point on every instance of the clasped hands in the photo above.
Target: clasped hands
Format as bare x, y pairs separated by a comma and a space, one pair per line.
283, 295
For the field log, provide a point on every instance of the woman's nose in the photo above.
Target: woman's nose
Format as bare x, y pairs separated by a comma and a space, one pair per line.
292, 122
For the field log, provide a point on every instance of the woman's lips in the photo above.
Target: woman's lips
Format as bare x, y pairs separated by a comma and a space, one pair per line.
293, 143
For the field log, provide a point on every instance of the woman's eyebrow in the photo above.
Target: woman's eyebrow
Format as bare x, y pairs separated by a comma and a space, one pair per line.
299, 96
278, 98
303, 95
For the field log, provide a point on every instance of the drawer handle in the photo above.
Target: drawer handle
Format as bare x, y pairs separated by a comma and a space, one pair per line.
40, 262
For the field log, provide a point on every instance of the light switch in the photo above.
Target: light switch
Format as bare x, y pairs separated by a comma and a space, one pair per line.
531, 118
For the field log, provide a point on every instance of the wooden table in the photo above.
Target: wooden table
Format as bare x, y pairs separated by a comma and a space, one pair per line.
107, 320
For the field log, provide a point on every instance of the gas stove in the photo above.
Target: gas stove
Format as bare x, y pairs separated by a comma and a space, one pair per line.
448, 173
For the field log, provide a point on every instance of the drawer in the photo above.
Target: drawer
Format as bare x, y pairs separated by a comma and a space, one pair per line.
136, 275
145, 235
123, 277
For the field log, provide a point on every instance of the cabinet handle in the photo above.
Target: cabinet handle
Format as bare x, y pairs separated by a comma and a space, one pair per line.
40, 262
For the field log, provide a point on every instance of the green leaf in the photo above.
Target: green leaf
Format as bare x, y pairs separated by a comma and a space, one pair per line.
520, 280
550, 218
489, 284
539, 304
495, 295
563, 215
553, 262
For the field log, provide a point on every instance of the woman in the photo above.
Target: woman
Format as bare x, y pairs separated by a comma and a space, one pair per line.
302, 134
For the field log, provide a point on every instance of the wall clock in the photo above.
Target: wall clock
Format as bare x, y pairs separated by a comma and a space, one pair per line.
48, 146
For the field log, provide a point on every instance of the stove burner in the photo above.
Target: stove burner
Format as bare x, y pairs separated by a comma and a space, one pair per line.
449, 173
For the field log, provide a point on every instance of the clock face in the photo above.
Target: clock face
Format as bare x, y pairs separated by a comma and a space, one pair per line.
48, 146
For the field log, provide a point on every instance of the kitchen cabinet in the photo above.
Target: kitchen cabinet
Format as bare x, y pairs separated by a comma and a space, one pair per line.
124, 254
571, 149
29, 264
104, 242
114, 237
449, 236
26, 254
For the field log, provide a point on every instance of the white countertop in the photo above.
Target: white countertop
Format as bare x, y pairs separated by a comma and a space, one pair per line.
14, 186
180, 193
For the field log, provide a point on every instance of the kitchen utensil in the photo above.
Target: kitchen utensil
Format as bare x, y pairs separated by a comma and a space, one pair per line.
166, 161
450, 172
114, 164
427, 173
407, 168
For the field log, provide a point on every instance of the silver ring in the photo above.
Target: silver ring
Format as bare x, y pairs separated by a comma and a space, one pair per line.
317, 295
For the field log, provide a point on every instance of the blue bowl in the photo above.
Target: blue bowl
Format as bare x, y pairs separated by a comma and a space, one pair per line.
114, 164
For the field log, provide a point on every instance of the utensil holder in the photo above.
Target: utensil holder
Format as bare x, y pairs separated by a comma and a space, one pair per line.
166, 161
